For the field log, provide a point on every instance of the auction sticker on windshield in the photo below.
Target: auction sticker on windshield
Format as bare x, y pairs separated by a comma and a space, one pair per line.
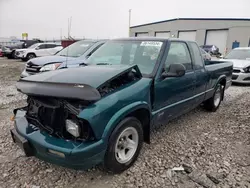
151, 43
84, 45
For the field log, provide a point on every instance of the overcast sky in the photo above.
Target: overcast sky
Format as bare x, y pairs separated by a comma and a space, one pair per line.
104, 18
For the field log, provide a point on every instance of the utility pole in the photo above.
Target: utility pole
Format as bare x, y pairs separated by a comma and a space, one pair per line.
129, 22
61, 33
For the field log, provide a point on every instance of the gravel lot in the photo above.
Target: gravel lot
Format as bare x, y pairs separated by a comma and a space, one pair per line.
213, 148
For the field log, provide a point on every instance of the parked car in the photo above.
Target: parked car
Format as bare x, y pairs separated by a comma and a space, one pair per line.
10, 50
241, 64
101, 113
211, 49
206, 56
72, 55
38, 50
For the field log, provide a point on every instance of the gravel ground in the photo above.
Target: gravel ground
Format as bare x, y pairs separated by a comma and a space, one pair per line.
210, 149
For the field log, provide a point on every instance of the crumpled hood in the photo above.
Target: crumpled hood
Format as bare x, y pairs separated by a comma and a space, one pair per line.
239, 63
78, 83
50, 59
91, 75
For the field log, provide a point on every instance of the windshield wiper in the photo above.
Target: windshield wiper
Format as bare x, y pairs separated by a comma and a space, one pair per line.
63, 55
103, 64
83, 64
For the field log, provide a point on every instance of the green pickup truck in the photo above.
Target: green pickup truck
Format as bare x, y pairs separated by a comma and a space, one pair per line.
103, 111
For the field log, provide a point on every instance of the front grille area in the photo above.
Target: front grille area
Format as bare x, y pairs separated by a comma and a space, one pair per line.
32, 68
234, 77
236, 71
46, 115
50, 115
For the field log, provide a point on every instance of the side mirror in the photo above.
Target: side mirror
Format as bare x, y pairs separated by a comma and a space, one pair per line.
175, 70
37, 48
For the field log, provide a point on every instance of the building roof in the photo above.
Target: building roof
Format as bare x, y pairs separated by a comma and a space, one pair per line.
175, 19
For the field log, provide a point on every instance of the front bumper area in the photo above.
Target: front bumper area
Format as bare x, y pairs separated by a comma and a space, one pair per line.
76, 155
19, 55
241, 78
25, 74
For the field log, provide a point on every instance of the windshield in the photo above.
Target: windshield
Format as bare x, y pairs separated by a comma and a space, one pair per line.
141, 53
33, 46
76, 49
238, 54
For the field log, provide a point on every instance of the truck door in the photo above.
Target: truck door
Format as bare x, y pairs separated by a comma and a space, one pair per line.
173, 96
202, 76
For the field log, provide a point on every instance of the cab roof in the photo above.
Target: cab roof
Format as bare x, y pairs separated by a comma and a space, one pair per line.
151, 39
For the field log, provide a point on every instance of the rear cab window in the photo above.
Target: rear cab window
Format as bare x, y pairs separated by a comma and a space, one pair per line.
197, 57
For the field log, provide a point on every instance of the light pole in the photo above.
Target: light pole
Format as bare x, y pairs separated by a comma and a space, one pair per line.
129, 22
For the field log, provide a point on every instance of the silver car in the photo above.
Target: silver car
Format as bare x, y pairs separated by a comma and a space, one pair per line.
206, 56
241, 64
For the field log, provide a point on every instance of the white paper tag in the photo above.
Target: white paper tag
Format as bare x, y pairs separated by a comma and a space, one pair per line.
84, 45
151, 43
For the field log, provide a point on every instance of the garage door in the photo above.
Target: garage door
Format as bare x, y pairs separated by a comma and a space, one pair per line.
217, 38
141, 35
187, 35
162, 34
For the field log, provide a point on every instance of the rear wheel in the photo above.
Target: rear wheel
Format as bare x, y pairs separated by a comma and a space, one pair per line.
214, 102
124, 145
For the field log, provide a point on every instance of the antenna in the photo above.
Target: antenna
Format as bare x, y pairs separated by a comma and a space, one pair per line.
69, 27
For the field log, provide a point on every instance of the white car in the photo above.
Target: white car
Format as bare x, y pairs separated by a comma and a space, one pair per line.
38, 50
241, 64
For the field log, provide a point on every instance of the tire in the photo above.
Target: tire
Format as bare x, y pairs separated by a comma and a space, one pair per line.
9, 56
30, 56
118, 156
13, 54
214, 102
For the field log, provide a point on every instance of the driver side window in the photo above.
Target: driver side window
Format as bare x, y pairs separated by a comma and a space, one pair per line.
178, 53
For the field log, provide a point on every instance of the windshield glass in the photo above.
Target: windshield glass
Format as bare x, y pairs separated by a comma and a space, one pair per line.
141, 53
76, 49
33, 46
238, 54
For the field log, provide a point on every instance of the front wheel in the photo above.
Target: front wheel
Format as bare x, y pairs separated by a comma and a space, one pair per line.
214, 102
124, 145
30, 56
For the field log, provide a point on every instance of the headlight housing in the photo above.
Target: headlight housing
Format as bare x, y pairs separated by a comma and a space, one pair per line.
247, 69
72, 128
50, 67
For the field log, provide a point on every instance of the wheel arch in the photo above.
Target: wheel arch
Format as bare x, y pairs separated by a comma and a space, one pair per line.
222, 80
30, 53
139, 110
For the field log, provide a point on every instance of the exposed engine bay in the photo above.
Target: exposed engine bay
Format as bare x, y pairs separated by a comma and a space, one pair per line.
119, 81
51, 115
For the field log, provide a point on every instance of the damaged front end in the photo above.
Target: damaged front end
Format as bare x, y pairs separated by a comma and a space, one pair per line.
54, 107
58, 117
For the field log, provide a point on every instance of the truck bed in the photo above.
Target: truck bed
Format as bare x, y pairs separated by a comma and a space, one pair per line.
217, 68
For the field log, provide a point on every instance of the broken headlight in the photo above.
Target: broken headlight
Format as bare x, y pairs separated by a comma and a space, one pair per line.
72, 128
